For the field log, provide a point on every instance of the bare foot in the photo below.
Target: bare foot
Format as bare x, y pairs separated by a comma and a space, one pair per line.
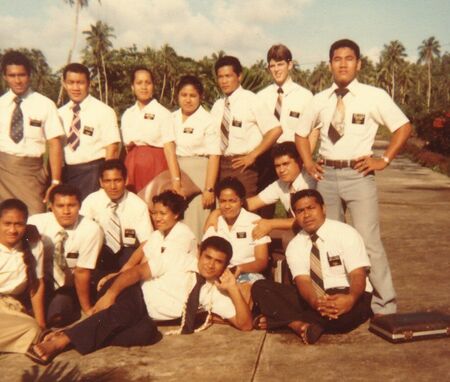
309, 333
52, 346
260, 322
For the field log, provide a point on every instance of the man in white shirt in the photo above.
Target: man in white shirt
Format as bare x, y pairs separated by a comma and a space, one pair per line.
349, 114
71, 244
166, 290
28, 122
247, 127
329, 264
122, 215
92, 133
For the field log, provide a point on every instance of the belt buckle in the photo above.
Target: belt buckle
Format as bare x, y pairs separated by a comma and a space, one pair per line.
339, 164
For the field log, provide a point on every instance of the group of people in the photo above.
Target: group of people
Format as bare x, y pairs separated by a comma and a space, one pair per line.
101, 270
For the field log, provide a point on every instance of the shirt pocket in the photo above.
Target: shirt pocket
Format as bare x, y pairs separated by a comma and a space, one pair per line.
190, 137
34, 127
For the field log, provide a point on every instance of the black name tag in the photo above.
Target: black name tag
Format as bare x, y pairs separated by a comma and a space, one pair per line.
149, 116
35, 122
358, 119
72, 255
163, 249
188, 130
334, 261
294, 114
241, 235
130, 233
237, 123
88, 131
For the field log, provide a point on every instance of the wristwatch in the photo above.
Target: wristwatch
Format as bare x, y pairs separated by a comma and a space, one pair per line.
386, 159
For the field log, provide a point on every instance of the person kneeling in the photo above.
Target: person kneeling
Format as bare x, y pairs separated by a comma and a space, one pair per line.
329, 265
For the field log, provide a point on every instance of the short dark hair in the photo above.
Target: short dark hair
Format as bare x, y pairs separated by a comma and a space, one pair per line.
219, 244
285, 148
279, 52
345, 43
190, 80
139, 68
76, 67
65, 190
112, 164
14, 57
14, 204
172, 201
308, 193
235, 184
228, 61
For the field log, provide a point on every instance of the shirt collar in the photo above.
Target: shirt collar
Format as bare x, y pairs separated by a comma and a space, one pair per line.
235, 94
15, 249
297, 183
11, 95
58, 226
352, 87
287, 87
82, 104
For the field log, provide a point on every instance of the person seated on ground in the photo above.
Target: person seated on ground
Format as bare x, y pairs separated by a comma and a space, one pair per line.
250, 257
71, 247
288, 167
161, 288
329, 265
170, 234
21, 280
122, 215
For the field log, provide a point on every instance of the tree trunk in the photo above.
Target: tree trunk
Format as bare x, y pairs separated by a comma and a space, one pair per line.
429, 85
106, 78
163, 87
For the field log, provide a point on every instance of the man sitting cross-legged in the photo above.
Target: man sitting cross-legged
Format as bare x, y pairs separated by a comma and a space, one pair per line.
160, 288
328, 261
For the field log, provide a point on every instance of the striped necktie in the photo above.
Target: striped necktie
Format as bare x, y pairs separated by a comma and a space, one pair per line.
59, 257
336, 129
73, 138
192, 305
113, 232
315, 267
16, 129
225, 125
279, 103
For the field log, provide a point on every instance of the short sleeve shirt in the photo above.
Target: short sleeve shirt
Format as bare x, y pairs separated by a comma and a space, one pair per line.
197, 135
250, 120
152, 125
40, 123
366, 108
295, 98
98, 130
132, 211
240, 236
341, 250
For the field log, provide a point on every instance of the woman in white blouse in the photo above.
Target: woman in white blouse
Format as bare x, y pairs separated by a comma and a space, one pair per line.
197, 148
149, 136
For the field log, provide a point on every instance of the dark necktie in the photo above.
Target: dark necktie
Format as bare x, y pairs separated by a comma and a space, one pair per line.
73, 138
279, 103
336, 129
315, 267
16, 131
192, 305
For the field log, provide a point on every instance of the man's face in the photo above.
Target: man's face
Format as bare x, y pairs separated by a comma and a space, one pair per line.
113, 183
212, 263
309, 214
280, 70
66, 209
227, 79
344, 66
77, 86
17, 78
12, 227
287, 168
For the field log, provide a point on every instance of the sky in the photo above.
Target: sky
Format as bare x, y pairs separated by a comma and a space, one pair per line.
244, 28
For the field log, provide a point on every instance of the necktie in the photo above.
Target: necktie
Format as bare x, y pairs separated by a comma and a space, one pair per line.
315, 268
192, 306
16, 131
277, 111
225, 125
336, 129
59, 257
73, 138
113, 232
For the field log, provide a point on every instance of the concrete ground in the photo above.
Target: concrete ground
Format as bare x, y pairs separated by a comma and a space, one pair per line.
415, 222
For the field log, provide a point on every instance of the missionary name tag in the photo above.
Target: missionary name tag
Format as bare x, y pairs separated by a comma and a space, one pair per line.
358, 119
163, 249
334, 261
130, 233
35, 122
149, 116
294, 114
188, 130
88, 131
72, 255
237, 123
241, 235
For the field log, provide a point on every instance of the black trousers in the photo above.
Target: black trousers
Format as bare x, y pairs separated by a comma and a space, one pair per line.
84, 176
63, 307
125, 323
282, 304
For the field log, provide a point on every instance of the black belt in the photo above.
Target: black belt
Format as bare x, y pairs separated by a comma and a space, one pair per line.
343, 290
339, 163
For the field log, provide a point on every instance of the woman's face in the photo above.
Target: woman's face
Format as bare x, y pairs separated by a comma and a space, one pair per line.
230, 204
188, 99
163, 218
142, 86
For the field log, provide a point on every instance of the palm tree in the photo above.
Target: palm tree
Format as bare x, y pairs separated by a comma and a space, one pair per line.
99, 43
392, 57
320, 77
427, 51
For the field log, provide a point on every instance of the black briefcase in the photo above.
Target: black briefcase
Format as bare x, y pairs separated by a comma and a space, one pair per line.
406, 327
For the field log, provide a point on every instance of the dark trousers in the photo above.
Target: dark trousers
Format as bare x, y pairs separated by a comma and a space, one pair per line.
63, 307
282, 304
125, 323
84, 176
249, 178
